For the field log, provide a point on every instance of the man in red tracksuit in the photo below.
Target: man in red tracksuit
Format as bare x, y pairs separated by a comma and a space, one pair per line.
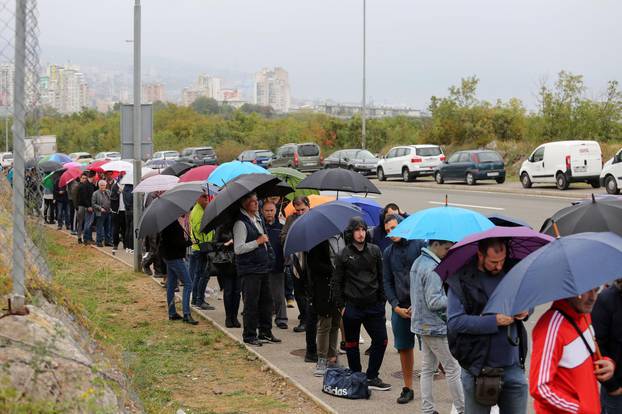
563, 372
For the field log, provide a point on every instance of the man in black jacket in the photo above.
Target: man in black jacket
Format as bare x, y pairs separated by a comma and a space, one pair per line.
357, 289
85, 209
607, 322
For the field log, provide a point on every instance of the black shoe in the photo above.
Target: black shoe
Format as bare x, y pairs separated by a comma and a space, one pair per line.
99, 245
108, 244
269, 338
300, 328
311, 358
206, 306
79, 240
176, 317
237, 324
188, 319
406, 396
146, 270
378, 385
281, 325
253, 342
228, 323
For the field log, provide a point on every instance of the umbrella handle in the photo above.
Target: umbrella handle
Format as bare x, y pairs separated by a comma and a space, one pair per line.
512, 341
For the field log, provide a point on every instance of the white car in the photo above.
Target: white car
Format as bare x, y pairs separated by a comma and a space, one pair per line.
81, 156
165, 155
6, 159
611, 176
410, 162
112, 156
562, 163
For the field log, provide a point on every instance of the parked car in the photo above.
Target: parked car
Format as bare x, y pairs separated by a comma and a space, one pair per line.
259, 157
6, 159
358, 160
199, 156
472, 166
165, 155
562, 163
303, 157
112, 156
611, 176
159, 164
81, 157
410, 162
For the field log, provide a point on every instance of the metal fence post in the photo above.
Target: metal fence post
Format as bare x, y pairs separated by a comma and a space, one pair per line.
137, 134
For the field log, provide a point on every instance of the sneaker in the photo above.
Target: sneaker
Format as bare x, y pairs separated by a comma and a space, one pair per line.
281, 325
320, 367
342, 347
311, 358
406, 396
253, 342
290, 303
206, 306
378, 385
269, 338
300, 328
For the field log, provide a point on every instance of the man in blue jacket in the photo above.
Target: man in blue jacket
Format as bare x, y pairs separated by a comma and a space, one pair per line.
277, 279
398, 258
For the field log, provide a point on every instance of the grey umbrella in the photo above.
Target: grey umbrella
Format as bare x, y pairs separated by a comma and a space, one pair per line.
168, 208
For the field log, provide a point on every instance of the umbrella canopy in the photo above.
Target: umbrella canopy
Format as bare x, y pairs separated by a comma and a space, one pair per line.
51, 179
587, 216
30, 164
567, 267
319, 224
339, 179
441, 223
96, 166
225, 205
117, 166
314, 201
58, 157
68, 176
229, 170
145, 172
160, 164
177, 169
197, 174
371, 208
156, 183
599, 197
506, 221
521, 242
74, 164
293, 178
49, 166
168, 208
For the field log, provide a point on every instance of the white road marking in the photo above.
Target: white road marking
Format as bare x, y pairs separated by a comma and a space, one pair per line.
466, 205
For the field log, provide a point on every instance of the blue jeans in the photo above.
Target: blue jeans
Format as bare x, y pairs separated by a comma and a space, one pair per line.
610, 405
197, 263
513, 397
88, 223
177, 270
104, 232
62, 214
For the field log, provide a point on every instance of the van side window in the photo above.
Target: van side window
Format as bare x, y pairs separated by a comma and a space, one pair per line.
538, 154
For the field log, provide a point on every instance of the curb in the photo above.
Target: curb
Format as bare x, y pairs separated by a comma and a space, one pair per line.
269, 364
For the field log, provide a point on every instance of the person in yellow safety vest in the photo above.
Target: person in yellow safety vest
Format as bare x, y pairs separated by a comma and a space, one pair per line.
198, 261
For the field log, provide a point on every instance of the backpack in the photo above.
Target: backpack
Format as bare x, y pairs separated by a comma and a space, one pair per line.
344, 383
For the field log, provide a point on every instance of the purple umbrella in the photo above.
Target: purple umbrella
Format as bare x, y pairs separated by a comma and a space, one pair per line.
521, 242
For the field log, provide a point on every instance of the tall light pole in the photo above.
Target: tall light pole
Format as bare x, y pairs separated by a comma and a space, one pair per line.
363, 137
137, 134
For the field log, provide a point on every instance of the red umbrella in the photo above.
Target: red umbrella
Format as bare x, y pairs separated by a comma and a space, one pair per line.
197, 174
96, 166
68, 176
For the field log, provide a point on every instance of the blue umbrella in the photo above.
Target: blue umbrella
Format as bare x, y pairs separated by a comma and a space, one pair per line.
441, 223
564, 268
58, 157
229, 170
319, 224
371, 209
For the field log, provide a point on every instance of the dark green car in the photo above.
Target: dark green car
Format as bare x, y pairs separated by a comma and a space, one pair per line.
472, 166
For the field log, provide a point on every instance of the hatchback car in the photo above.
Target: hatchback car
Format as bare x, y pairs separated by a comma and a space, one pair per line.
358, 160
81, 156
199, 156
259, 157
472, 166
303, 157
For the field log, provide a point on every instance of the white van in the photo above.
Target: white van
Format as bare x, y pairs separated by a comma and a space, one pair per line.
611, 176
410, 162
562, 163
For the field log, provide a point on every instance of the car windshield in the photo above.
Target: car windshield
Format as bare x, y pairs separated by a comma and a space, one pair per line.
205, 151
263, 154
489, 157
364, 155
429, 151
113, 154
308, 150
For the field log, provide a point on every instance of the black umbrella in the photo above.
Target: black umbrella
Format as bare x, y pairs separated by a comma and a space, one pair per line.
49, 166
169, 207
506, 221
590, 216
338, 179
224, 207
30, 164
177, 169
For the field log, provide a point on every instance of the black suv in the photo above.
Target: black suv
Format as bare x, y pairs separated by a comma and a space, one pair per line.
199, 156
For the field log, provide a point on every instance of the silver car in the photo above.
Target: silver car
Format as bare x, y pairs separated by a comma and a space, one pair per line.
303, 157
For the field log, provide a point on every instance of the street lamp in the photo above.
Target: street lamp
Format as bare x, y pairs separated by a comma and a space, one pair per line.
363, 137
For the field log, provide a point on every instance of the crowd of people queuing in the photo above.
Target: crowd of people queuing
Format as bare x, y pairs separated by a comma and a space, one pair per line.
345, 283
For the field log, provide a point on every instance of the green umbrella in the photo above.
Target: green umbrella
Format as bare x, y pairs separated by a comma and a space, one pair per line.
51, 179
292, 177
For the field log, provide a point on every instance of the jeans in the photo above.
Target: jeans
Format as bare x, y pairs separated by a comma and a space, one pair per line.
177, 270
231, 291
435, 349
609, 404
48, 209
84, 222
328, 334
257, 305
513, 397
104, 233
373, 319
277, 286
198, 264
62, 214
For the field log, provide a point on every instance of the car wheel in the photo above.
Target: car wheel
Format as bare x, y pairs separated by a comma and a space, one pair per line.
438, 178
595, 183
611, 185
500, 180
525, 180
470, 179
561, 181
405, 175
380, 175
351, 167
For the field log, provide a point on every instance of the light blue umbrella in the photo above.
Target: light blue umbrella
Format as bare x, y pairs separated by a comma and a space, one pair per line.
441, 223
58, 157
229, 170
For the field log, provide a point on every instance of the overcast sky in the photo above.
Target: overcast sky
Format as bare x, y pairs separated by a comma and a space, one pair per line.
415, 49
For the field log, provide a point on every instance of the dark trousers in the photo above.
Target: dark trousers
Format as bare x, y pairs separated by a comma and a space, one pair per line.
373, 319
257, 305
62, 213
198, 266
48, 210
289, 283
231, 291
128, 238
278, 297
300, 294
311, 329
72, 216
118, 228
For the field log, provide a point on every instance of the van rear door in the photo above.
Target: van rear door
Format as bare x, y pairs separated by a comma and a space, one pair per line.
585, 159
